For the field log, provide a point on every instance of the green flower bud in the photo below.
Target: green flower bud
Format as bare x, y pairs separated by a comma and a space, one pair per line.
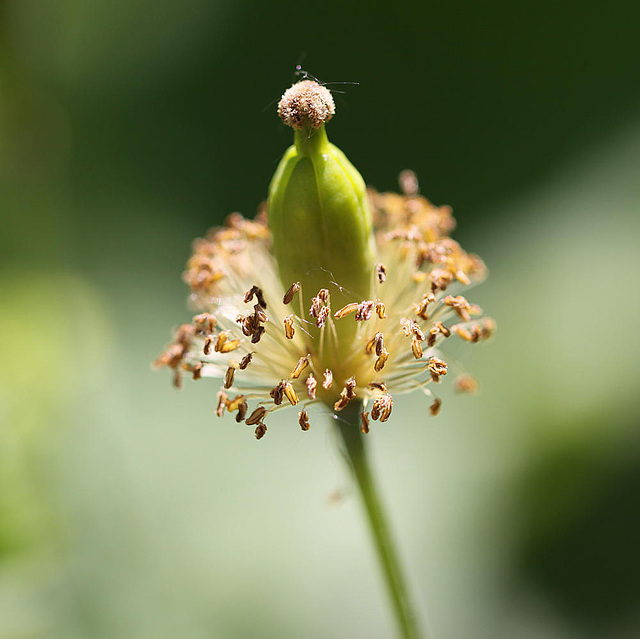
319, 212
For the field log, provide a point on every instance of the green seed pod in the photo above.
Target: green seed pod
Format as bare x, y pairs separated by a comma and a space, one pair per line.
319, 211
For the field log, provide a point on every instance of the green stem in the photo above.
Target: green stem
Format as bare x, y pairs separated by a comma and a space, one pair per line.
349, 426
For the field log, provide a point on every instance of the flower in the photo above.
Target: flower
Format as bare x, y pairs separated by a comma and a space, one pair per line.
368, 323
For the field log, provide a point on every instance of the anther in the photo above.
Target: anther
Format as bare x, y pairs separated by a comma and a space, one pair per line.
434, 409
303, 362
323, 316
466, 384
291, 291
382, 408
437, 368
222, 403
244, 362
208, 343
257, 291
205, 322
328, 379
364, 311
303, 420
311, 384
380, 310
416, 347
277, 393
290, 393
260, 431
381, 361
364, 423
289, 330
381, 386
228, 377
197, 370
381, 272
255, 338
256, 416
350, 387
345, 310
463, 309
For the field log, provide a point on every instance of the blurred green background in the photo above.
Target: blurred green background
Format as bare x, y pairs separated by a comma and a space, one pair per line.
127, 510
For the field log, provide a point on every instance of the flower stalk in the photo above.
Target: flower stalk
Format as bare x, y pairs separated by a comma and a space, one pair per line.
349, 426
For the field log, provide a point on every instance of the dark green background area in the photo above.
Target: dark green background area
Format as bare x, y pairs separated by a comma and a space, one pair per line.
129, 127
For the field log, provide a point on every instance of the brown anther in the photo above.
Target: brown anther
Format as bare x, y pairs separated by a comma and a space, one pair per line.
257, 291
256, 416
345, 310
437, 368
303, 420
208, 343
303, 362
381, 361
375, 344
463, 309
411, 328
381, 386
350, 387
364, 311
380, 310
277, 393
323, 316
342, 402
259, 313
291, 291
197, 370
289, 330
421, 308
177, 378
205, 322
466, 384
364, 423
323, 295
255, 338
290, 393
440, 279
242, 411
260, 431
381, 272
235, 403
311, 384
328, 379
244, 362
382, 408
438, 328
228, 376
434, 409
222, 403
416, 347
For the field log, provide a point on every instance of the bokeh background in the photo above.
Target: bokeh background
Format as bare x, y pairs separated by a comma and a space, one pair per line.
127, 510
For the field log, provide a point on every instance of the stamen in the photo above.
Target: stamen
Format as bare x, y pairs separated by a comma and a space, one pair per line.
260, 431
380, 310
342, 402
208, 343
434, 409
350, 387
205, 322
255, 338
381, 386
364, 311
463, 309
197, 370
255, 290
303, 420
438, 328
421, 308
328, 379
381, 361
416, 347
277, 393
466, 384
323, 316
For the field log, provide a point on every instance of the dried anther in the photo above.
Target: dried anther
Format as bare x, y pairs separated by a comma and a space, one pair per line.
208, 343
381, 361
437, 368
380, 310
463, 309
291, 291
381, 272
328, 379
257, 291
277, 393
346, 310
434, 409
382, 408
260, 431
303, 420
228, 378
381, 386
438, 328
466, 384
245, 361
256, 416
364, 311
205, 323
